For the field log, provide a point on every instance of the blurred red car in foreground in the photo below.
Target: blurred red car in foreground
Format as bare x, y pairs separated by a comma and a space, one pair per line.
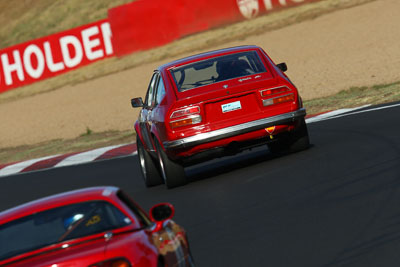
93, 227
213, 104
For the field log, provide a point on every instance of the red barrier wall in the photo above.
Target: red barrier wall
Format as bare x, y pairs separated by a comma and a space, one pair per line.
145, 24
140, 25
55, 54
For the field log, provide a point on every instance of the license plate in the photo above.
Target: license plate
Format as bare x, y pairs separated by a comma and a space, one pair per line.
231, 106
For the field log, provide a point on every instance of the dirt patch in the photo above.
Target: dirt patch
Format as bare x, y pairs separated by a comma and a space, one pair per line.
352, 47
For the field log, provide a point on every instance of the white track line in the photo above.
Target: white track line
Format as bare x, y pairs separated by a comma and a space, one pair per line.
18, 167
85, 156
333, 114
361, 111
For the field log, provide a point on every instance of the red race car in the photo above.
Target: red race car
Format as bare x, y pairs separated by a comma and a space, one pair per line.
92, 227
213, 104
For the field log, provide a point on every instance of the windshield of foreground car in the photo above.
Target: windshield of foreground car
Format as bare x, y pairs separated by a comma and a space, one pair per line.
56, 225
217, 69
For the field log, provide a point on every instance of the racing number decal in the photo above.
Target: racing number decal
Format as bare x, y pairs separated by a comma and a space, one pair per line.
95, 219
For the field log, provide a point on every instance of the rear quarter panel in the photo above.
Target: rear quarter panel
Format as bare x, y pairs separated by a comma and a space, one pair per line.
162, 111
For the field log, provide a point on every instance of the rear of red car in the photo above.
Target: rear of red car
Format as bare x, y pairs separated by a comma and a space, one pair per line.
251, 108
214, 104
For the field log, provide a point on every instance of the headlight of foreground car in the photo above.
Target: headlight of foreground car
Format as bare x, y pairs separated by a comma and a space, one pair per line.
116, 262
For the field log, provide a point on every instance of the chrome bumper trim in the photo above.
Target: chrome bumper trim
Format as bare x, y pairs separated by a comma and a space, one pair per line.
235, 130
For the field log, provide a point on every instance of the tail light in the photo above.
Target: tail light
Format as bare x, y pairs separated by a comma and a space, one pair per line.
278, 100
184, 117
272, 99
117, 262
274, 91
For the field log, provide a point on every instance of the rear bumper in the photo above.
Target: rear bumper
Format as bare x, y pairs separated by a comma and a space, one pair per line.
235, 130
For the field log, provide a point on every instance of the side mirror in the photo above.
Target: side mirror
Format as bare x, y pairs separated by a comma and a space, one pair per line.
162, 212
137, 102
282, 66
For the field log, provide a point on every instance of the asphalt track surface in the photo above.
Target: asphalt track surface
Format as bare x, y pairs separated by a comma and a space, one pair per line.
336, 204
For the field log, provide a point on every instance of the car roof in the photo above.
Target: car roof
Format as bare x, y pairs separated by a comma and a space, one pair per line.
58, 200
206, 55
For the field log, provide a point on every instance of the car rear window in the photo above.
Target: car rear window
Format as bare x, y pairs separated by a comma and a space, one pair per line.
217, 69
57, 225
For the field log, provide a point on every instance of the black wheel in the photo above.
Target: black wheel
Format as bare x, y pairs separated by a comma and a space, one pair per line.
150, 173
161, 263
300, 139
295, 141
172, 172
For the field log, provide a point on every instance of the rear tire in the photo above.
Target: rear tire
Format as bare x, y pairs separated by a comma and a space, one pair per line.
295, 141
172, 172
150, 173
301, 140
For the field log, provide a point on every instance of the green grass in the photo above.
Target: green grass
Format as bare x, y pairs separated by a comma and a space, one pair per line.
88, 132
84, 142
355, 97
